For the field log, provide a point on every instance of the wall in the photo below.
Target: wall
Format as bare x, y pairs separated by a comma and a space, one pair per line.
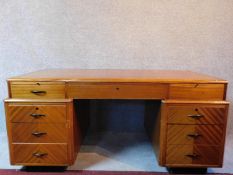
131, 34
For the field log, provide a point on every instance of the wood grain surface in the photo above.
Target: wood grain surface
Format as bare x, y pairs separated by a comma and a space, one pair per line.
55, 113
36, 90
188, 131
117, 75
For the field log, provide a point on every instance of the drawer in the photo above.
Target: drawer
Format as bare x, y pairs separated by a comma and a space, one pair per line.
37, 90
195, 134
197, 91
117, 91
37, 113
38, 133
197, 114
180, 155
39, 154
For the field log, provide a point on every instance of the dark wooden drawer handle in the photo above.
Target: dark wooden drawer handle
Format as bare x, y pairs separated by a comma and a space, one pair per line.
37, 115
38, 92
196, 116
39, 134
194, 135
39, 155
192, 156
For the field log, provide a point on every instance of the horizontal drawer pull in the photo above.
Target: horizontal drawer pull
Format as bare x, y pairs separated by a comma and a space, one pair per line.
38, 92
206, 113
43, 90
192, 156
39, 155
37, 115
46, 113
196, 116
194, 135
39, 134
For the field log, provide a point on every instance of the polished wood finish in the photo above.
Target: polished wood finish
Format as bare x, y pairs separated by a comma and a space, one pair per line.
19, 112
193, 156
39, 133
54, 154
116, 91
196, 91
195, 133
50, 131
118, 75
118, 84
185, 114
188, 129
37, 89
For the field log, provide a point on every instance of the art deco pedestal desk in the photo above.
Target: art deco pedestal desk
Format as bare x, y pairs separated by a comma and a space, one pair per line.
45, 129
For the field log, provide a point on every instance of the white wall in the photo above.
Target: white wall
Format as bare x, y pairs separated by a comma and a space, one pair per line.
131, 34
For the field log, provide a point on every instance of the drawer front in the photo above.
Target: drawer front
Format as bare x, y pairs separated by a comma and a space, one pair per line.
117, 91
197, 91
37, 113
195, 134
39, 154
37, 90
193, 155
39, 133
194, 114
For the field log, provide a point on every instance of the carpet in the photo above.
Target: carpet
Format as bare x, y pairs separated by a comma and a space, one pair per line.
85, 172
77, 172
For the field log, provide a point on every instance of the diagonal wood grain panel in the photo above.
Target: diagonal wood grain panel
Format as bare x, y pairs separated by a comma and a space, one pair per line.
53, 133
210, 134
22, 113
56, 153
210, 114
182, 155
176, 154
195, 134
209, 155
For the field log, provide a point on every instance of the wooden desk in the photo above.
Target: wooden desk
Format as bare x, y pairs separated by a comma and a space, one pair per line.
43, 128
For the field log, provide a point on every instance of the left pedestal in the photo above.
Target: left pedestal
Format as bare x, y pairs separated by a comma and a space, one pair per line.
41, 132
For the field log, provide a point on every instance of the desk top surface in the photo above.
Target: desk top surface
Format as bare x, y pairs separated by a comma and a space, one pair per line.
118, 75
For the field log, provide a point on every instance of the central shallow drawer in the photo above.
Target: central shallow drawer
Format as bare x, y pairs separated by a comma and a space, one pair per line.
37, 90
37, 112
39, 154
39, 132
117, 91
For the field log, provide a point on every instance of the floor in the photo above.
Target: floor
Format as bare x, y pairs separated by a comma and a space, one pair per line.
116, 151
